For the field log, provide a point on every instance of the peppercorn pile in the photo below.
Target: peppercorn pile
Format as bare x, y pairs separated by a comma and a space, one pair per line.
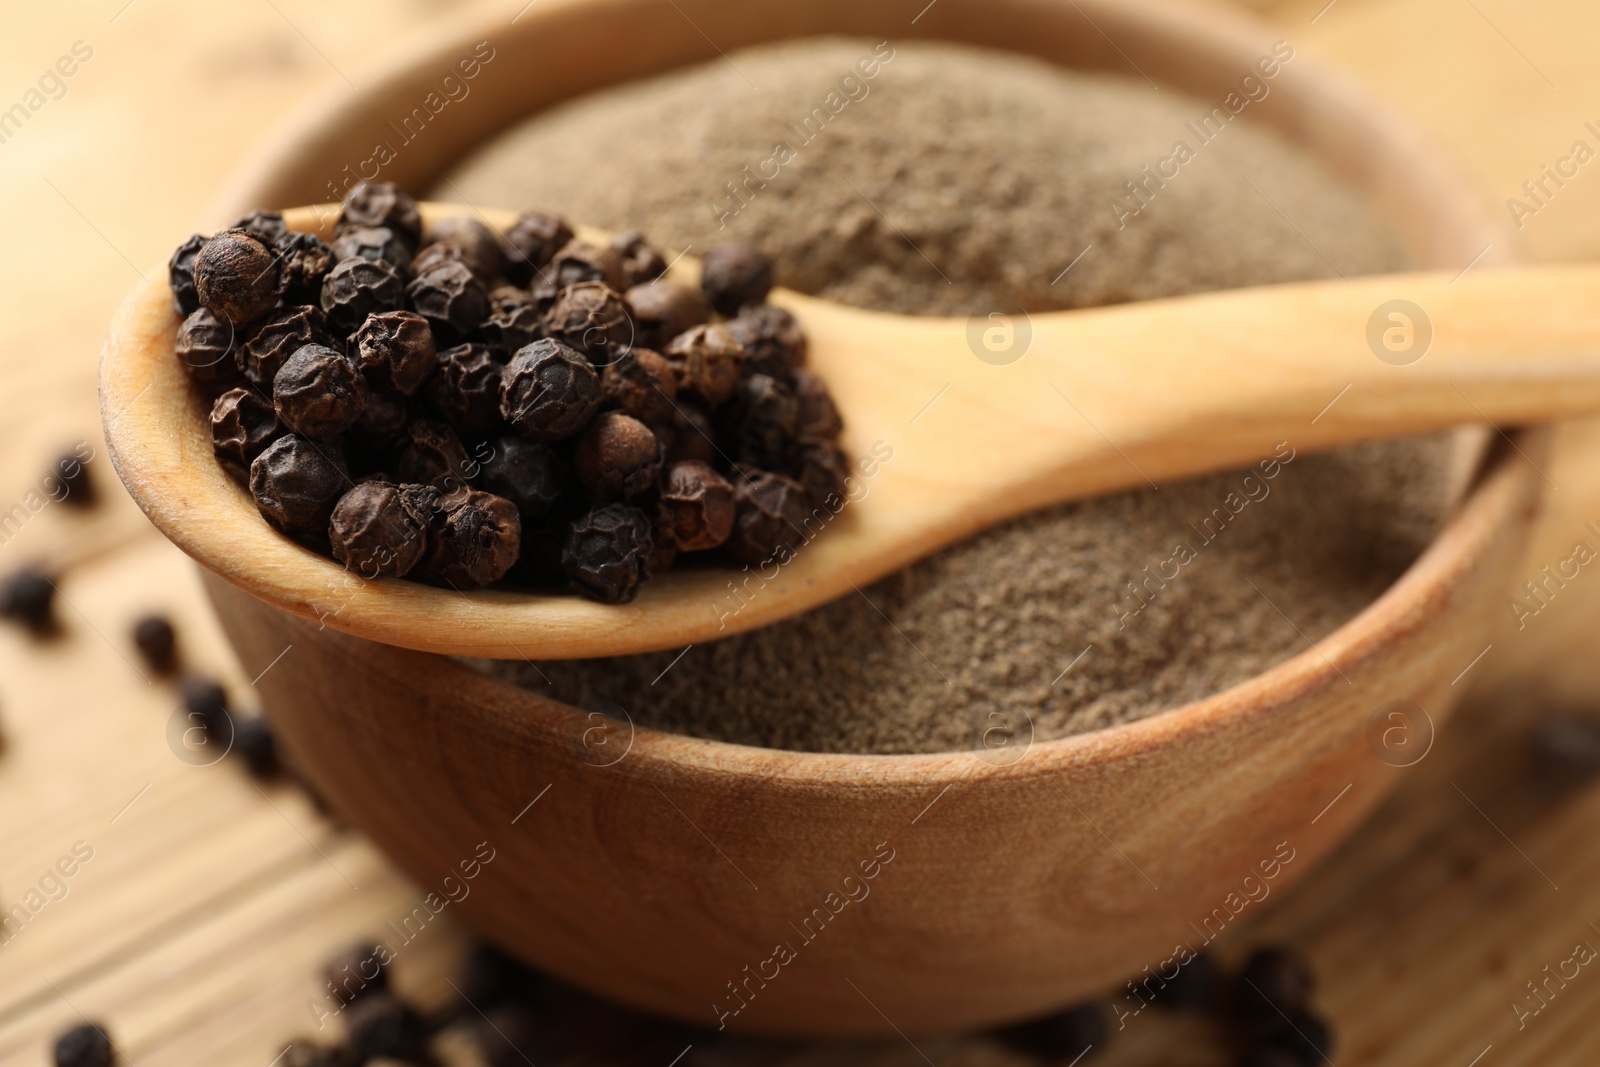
467, 407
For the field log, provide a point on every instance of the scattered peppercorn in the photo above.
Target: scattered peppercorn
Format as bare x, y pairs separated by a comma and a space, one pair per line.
697, 506
735, 275
28, 597
474, 540
157, 643
642, 384
480, 246
617, 457
549, 391
1192, 988
84, 1046
465, 389
318, 392
531, 241
372, 204
397, 349
237, 275
378, 528
662, 310
1274, 982
296, 482
254, 744
607, 553
205, 702
356, 288
769, 517
285, 332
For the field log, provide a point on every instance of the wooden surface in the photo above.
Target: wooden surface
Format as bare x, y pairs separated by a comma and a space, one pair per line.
197, 927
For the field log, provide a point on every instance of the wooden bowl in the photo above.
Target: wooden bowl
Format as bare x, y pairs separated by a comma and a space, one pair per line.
809, 894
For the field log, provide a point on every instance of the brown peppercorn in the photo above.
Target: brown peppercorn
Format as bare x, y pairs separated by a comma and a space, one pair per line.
822, 468
307, 259
530, 474
607, 554
319, 392
818, 415
206, 347
267, 225
382, 204
28, 596
439, 252
180, 275
769, 518
285, 332
663, 310
617, 457
691, 435
707, 361
641, 383
531, 242
514, 322
773, 342
296, 482
759, 421
465, 390
84, 1046
237, 276
449, 295
356, 288
157, 643
549, 391
640, 261
373, 242
580, 261
432, 455
735, 274
382, 425
243, 424
474, 540
396, 349
378, 528
593, 318
480, 246
697, 506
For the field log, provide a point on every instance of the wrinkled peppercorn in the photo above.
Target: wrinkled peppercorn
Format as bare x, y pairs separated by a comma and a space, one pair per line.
378, 528
356, 288
530, 474
607, 554
382, 425
474, 540
818, 415
822, 468
690, 436
355, 971
640, 261
480, 246
663, 310
319, 392
267, 225
593, 318
707, 361
84, 1046
531, 241
760, 421
769, 519
243, 424
307, 259
372, 204
580, 261
641, 383
180, 275
433, 455
697, 506
735, 274
439, 252
395, 348
206, 347
549, 391
513, 323
374, 243
237, 276
449, 295
280, 336
296, 482
381, 1026
617, 457
465, 390
28, 597
254, 744
157, 643
773, 341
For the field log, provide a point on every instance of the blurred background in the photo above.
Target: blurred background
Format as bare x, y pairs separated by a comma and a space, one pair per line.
198, 927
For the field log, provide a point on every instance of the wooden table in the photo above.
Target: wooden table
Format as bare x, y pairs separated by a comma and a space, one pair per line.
197, 926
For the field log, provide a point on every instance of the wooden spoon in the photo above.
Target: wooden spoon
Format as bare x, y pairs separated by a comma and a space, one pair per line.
955, 425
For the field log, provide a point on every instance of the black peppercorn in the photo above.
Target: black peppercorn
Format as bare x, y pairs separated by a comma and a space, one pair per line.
205, 704
707, 361
382, 425
84, 1046
593, 318
822, 468
78, 487
465, 389
735, 274
280, 336
759, 421
530, 243
180, 275
237, 276
397, 349
432, 455
579, 261
773, 341
439, 252
356, 288
267, 225
818, 415
380, 1026
617, 457
607, 554
372, 204
307, 259
378, 528
690, 435
474, 540
448, 294
530, 474
319, 392
640, 262
243, 424
254, 744
514, 322
642, 384
157, 643
663, 310
206, 347
296, 482
28, 597
769, 519
374, 243
480, 246
549, 391
356, 971
697, 506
